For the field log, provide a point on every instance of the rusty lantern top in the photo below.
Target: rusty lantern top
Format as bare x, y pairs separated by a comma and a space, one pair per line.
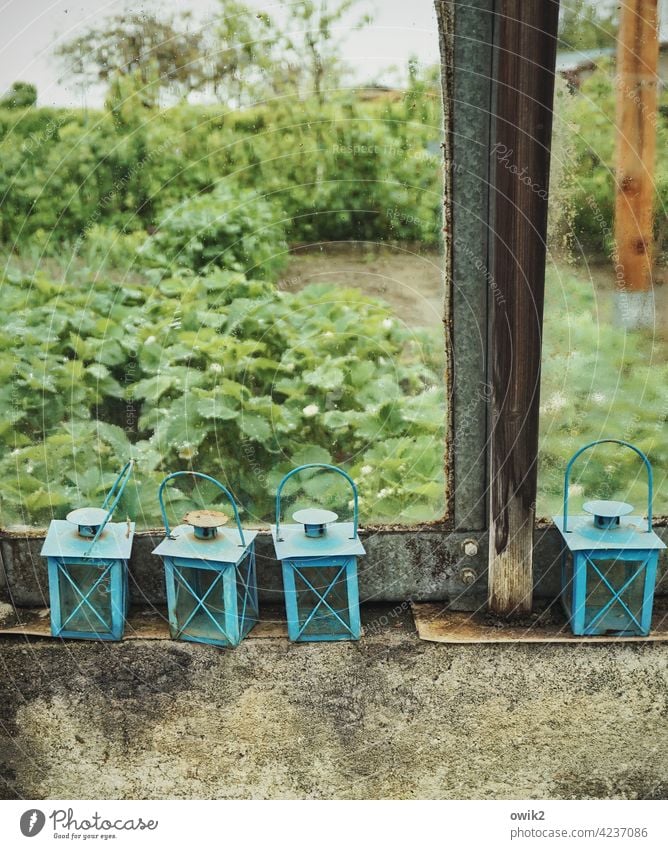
205, 522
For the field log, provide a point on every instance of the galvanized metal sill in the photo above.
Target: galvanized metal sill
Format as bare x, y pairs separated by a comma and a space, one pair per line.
401, 564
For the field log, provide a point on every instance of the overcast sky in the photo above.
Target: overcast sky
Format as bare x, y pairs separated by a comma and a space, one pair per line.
31, 28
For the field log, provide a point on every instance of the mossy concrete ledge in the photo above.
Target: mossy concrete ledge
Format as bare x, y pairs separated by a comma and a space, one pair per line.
388, 717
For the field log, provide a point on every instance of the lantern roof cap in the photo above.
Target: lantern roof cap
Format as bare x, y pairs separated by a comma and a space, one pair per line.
89, 517
225, 547
315, 516
64, 540
607, 509
339, 541
205, 518
630, 535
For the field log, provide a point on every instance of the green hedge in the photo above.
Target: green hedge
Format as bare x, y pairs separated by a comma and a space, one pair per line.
589, 166
350, 170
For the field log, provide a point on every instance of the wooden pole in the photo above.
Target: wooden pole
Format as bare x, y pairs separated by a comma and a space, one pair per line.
526, 43
636, 78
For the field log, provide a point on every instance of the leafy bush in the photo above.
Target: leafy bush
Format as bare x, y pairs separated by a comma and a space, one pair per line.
346, 170
240, 231
220, 373
240, 379
590, 169
20, 96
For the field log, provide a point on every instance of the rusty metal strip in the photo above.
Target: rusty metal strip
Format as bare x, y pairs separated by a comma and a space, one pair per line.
437, 625
141, 625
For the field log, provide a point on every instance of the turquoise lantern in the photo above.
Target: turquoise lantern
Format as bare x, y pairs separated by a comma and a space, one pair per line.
609, 563
209, 573
319, 561
87, 557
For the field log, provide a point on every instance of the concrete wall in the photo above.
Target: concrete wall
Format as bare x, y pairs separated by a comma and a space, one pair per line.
391, 716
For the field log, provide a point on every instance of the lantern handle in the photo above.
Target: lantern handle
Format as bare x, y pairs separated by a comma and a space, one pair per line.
206, 478
317, 466
117, 491
650, 480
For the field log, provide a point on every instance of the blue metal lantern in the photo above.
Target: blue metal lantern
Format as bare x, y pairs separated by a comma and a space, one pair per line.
87, 557
210, 574
319, 561
609, 563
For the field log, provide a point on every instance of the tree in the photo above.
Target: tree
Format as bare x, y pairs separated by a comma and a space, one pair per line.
584, 25
241, 52
140, 46
307, 48
20, 96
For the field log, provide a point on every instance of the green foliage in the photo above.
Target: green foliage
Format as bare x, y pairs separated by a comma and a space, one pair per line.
306, 55
161, 48
584, 25
213, 372
240, 231
589, 155
167, 341
235, 377
20, 96
242, 53
598, 381
349, 169
238, 55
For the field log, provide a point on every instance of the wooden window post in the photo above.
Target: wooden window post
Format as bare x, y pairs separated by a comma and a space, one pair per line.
526, 42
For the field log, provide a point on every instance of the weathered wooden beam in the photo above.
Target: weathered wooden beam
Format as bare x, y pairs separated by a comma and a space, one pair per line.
525, 42
637, 116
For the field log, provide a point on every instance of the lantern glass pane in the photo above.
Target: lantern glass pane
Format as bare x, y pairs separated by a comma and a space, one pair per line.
85, 597
617, 573
200, 603
319, 590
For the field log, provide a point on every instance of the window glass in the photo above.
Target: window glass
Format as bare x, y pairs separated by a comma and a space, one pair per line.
605, 364
225, 256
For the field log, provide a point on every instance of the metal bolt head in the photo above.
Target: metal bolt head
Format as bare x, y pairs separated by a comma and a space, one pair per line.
468, 576
470, 547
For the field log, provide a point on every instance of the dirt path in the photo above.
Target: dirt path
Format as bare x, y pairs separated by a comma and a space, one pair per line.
410, 281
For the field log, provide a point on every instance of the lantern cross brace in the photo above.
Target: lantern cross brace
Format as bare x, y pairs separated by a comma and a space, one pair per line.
247, 593
616, 594
323, 600
84, 596
200, 602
